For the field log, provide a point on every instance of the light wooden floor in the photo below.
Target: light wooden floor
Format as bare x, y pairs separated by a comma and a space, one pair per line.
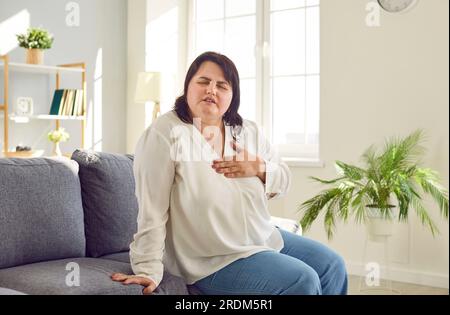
399, 287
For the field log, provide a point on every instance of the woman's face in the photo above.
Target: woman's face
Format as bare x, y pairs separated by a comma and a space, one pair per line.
209, 95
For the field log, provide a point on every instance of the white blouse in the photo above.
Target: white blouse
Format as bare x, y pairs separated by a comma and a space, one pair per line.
192, 220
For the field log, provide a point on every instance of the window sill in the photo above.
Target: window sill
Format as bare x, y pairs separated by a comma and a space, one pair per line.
304, 162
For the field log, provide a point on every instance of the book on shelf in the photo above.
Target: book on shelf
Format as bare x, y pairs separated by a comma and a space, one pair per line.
67, 102
56, 103
61, 104
78, 104
69, 106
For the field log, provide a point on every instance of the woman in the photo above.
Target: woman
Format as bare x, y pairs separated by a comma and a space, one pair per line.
203, 178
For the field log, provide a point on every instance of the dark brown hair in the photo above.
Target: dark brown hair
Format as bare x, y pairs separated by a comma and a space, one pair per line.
231, 116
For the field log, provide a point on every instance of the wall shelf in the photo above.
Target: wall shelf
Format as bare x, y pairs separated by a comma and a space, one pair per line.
23, 119
7, 67
24, 154
41, 69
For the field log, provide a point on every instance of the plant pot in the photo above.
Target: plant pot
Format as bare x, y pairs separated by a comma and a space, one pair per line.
35, 56
378, 227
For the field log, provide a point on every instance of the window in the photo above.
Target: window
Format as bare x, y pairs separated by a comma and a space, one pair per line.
275, 45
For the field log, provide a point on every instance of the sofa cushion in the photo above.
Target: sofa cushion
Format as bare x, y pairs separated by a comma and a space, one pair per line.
109, 201
59, 277
122, 257
41, 214
169, 285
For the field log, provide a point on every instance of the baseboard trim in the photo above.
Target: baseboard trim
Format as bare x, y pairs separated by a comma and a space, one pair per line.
403, 275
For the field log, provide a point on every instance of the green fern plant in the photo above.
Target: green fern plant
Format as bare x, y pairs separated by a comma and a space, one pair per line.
394, 172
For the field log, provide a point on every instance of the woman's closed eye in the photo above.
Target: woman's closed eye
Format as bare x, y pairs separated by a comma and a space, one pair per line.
220, 85
203, 82
223, 86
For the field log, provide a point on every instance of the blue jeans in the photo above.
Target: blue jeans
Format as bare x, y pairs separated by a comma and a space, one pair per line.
303, 266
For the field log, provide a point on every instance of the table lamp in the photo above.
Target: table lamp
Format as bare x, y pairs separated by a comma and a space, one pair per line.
148, 89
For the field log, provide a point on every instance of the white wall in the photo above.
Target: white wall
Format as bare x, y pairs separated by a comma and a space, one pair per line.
377, 82
100, 42
136, 63
156, 43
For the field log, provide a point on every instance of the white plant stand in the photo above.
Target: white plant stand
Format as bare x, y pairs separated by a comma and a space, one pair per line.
375, 276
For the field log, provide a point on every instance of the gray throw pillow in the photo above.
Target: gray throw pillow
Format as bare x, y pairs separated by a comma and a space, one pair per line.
109, 201
41, 215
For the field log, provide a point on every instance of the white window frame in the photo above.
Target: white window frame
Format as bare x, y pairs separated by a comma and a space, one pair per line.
309, 154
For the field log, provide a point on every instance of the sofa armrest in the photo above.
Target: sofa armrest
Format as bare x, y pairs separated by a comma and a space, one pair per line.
287, 224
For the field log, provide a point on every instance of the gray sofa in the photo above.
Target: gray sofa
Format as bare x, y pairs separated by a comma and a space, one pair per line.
66, 226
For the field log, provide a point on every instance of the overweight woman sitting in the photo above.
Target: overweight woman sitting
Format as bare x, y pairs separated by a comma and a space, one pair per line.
203, 179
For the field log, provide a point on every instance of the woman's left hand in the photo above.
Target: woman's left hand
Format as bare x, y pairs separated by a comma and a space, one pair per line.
242, 164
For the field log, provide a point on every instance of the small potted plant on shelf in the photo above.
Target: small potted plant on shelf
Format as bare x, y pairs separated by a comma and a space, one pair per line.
35, 40
57, 136
368, 193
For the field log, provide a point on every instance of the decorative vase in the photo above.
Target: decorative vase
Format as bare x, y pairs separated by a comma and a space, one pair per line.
35, 56
57, 149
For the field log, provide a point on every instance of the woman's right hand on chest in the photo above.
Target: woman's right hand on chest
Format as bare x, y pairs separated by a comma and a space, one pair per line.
149, 285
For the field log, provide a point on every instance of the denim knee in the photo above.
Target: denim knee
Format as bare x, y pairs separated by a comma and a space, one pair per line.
308, 284
337, 282
342, 273
339, 266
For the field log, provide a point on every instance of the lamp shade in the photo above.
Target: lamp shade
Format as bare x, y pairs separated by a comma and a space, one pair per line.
148, 87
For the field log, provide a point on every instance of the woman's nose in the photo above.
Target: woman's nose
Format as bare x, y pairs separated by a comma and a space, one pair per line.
211, 88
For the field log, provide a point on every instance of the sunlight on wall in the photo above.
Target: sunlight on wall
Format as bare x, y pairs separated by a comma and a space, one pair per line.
88, 143
98, 102
16, 24
161, 52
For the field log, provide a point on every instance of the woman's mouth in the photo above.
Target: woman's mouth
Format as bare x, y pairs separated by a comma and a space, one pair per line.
209, 100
